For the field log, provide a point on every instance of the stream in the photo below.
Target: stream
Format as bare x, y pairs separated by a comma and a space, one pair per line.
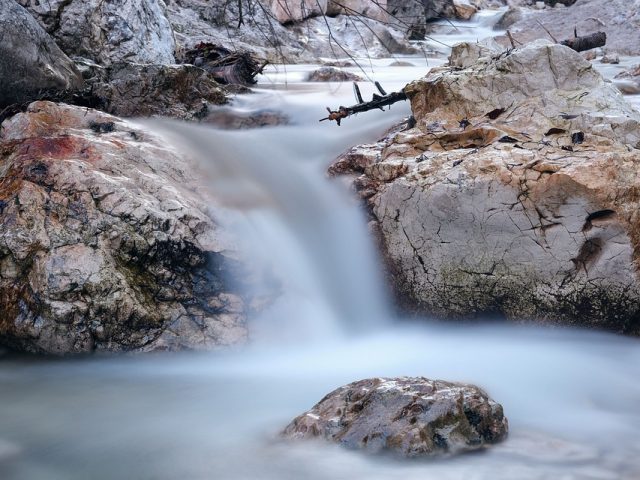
572, 397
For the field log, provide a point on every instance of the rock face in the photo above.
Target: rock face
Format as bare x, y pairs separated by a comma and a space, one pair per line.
107, 32
30, 61
412, 417
106, 241
218, 22
179, 91
516, 193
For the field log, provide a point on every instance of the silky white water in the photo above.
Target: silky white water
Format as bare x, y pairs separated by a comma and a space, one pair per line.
572, 397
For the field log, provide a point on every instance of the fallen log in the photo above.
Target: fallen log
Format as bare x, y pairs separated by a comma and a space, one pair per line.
227, 67
377, 102
581, 44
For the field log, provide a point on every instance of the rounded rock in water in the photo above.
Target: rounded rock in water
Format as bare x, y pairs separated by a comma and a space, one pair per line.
411, 417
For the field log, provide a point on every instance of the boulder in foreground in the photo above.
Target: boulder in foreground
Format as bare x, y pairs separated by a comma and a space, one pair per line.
108, 240
411, 417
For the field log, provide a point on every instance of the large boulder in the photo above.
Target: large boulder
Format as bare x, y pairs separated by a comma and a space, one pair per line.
289, 11
30, 61
365, 8
515, 193
107, 240
411, 417
108, 32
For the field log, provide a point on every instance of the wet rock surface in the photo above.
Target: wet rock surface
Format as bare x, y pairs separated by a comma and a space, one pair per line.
515, 193
135, 90
30, 61
106, 240
410, 417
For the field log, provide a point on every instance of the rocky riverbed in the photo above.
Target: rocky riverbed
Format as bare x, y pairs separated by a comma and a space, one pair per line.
506, 189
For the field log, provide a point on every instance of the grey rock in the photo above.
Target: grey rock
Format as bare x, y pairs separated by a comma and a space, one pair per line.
510, 17
30, 61
108, 241
218, 22
179, 91
629, 81
527, 209
290, 11
376, 10
108, 32
410, 417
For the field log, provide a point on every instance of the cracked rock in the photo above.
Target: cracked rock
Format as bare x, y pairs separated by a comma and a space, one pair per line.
107, 240
507, 215
410, 417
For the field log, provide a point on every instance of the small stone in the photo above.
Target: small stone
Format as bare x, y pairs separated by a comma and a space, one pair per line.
611, 59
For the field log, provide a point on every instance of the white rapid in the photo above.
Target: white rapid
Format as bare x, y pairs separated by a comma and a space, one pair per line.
572, 397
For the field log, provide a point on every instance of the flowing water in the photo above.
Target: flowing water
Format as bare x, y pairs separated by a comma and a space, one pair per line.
572, 397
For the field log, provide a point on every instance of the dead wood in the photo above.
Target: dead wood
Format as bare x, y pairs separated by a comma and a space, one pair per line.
377, 102
227, 67
581, 44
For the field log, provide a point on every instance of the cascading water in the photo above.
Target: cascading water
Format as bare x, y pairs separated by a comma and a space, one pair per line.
571, 397
293, 223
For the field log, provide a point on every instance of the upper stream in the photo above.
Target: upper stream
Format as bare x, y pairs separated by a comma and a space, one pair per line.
572, 397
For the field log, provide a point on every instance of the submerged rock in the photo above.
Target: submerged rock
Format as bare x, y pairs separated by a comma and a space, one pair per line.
231, 119
107, 240
515, 193
30, 61
629, 81
108, 32
411, 417
332, 74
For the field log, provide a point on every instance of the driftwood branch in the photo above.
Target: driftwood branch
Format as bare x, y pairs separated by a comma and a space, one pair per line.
580, 44
377, 102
